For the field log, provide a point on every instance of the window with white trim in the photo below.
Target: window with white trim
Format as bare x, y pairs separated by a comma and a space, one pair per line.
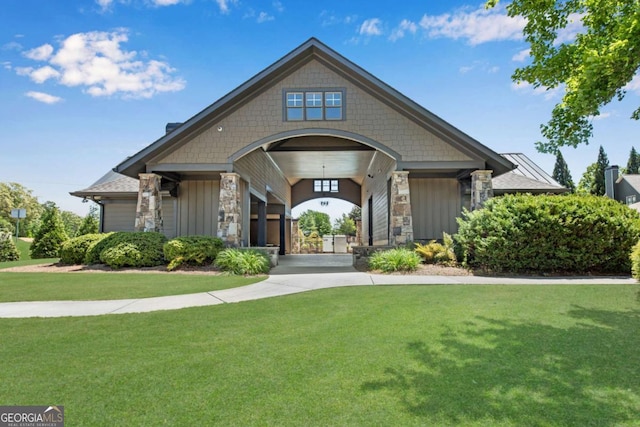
325, 185
314, 105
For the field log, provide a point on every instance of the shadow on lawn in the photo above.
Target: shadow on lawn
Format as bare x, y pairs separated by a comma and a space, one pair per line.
527, 374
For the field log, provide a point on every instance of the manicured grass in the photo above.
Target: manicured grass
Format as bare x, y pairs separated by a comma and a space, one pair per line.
102, 286
397, 355
25, 257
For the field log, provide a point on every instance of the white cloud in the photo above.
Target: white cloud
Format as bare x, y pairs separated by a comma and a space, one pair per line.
572, 29
41, 53
521, 56
6, 65
264, 17
43, 74
371, 27
104, 4
634, 85
399, 31
601, 116
166, 2
477, 26
277, 5
12, 46
96, 62
43, 97
330, 19
224, 5
548, 94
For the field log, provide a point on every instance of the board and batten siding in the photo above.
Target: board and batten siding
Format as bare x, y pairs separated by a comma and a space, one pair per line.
197, 210
257, 168
435, 205
376, 187
119, 215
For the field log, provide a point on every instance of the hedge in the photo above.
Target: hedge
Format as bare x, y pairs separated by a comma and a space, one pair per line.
194, 250
549, 234
74, 251
132, 249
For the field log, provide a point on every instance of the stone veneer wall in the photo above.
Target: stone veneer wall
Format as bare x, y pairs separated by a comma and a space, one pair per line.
481, 188
401, 225
230, 209
149, 208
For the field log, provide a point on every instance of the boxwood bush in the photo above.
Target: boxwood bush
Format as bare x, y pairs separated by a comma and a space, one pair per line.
243, 261
74, 251
193, 250
128, 249
549, 234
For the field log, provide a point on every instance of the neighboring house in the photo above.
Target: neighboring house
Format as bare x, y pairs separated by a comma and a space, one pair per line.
526, 178
623, 188
311, 125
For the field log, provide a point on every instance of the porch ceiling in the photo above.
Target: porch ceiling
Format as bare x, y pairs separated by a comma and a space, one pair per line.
297, 165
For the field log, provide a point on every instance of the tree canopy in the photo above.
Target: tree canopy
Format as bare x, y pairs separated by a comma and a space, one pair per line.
594, 65
311, 220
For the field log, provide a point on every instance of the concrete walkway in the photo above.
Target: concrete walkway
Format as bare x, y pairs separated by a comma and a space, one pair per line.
290, 277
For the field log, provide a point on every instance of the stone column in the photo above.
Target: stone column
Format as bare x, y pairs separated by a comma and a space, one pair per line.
401, 230
295, 237
149, 208
230, 214
481, 188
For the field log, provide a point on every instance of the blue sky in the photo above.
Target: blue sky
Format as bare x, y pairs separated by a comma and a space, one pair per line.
87, 83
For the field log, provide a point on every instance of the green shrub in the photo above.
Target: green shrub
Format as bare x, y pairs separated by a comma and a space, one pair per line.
8, 249
50, 236
399, 259
635, 262
74, 251
147, 244
549, 234
122, 255
243, 261
437, 253
195, 250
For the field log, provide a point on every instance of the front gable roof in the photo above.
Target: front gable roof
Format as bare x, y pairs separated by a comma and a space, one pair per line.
313, 49
633, 180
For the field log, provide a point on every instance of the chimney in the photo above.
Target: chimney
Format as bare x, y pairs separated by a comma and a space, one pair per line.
610, 177
172, 126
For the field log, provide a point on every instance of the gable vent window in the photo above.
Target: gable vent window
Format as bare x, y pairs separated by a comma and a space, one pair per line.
325, 186
314, 105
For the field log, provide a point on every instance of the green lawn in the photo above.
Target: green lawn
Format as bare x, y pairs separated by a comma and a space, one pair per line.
104, 286
389, 356
25, 257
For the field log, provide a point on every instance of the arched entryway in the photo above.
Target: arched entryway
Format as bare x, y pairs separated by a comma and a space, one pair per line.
317, 163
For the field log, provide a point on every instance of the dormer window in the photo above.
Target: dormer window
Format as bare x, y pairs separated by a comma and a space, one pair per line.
314, 105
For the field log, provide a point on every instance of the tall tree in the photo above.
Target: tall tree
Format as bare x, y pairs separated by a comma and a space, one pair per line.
16, 196
593, 64
90, 223
601, 165
311, 220
344, 225
633, 164
588, 181
50, 235
562, 174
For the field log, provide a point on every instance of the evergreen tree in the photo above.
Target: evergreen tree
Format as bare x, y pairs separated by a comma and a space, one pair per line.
601, 165
90, 223
633, 164
50, 235
562, 174
587, 182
